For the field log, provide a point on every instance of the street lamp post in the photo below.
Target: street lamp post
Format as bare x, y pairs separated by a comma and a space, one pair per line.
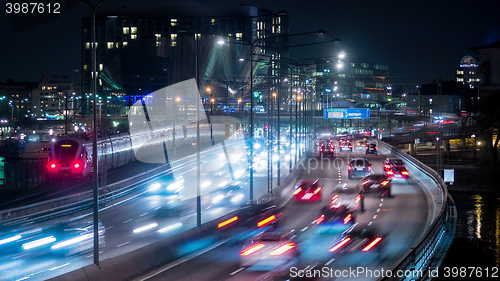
95, 186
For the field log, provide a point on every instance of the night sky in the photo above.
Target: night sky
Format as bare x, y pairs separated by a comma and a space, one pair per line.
417, 39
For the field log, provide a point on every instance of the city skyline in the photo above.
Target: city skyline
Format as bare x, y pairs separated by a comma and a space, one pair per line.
417, 40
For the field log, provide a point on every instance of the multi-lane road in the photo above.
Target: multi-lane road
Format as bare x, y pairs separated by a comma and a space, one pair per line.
400, 220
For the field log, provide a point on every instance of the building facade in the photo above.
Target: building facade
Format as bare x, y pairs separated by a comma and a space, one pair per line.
140, 50
54, 98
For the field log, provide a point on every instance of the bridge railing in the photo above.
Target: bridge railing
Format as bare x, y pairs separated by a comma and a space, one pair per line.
430, 251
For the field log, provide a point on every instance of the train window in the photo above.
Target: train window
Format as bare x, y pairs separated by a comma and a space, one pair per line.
65, 151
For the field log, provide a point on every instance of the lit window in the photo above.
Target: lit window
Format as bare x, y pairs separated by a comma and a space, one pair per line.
87, 45
174, 39
43, 87
126, 30
229, 34
125, 44
85, 67
100, 67
213, 20
173, 22
110, 45
49, 88
239, 35
158, 44
158, 36
133, 30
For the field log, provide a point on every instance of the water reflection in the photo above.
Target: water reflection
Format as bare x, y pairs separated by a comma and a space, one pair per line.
479, 220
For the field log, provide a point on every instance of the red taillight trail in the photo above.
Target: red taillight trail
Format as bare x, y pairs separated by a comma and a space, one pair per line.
252, 249
373, 243
340, 244
266, 221
283, 249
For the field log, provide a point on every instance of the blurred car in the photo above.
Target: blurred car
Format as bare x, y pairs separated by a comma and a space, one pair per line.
371, 149
377, 183
269, 250
335, 218
328, 149
360, 144
253, 220
359, 168
350, 195
229, 196
167, 186
77, 237
345, 145
308, 190
398, 174
393, 163
362, 241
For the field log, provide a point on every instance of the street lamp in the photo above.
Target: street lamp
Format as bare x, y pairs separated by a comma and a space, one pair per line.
95, 186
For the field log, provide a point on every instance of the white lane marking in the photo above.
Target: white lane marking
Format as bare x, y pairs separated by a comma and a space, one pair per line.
209, 207
313, 222
329, 262
20, 256
107, 228
304, 229
89, 256
236, 272
122, 244
144, 214
128, 220
24, 278
378, 210
381, 199
57, 267
370, 223
190, 257
374, 217
380, 205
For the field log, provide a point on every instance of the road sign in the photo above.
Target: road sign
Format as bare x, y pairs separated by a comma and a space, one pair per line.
346, 113
22, 143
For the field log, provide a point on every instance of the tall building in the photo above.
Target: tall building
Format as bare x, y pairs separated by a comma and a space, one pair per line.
467, 73
55, 97
140, 50
16, 100
352, 81
489, 69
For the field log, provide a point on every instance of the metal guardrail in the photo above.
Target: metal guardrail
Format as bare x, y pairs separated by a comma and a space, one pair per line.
434, 244
74, 203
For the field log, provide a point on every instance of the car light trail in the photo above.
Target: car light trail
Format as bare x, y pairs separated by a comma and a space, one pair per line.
39, 242
340, 244
170, 227
252, 249
10, 239
283, 249
266, 221
149, 226
372, 244
226, 222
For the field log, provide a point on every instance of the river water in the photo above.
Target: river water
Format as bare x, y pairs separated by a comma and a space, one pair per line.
477, 241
